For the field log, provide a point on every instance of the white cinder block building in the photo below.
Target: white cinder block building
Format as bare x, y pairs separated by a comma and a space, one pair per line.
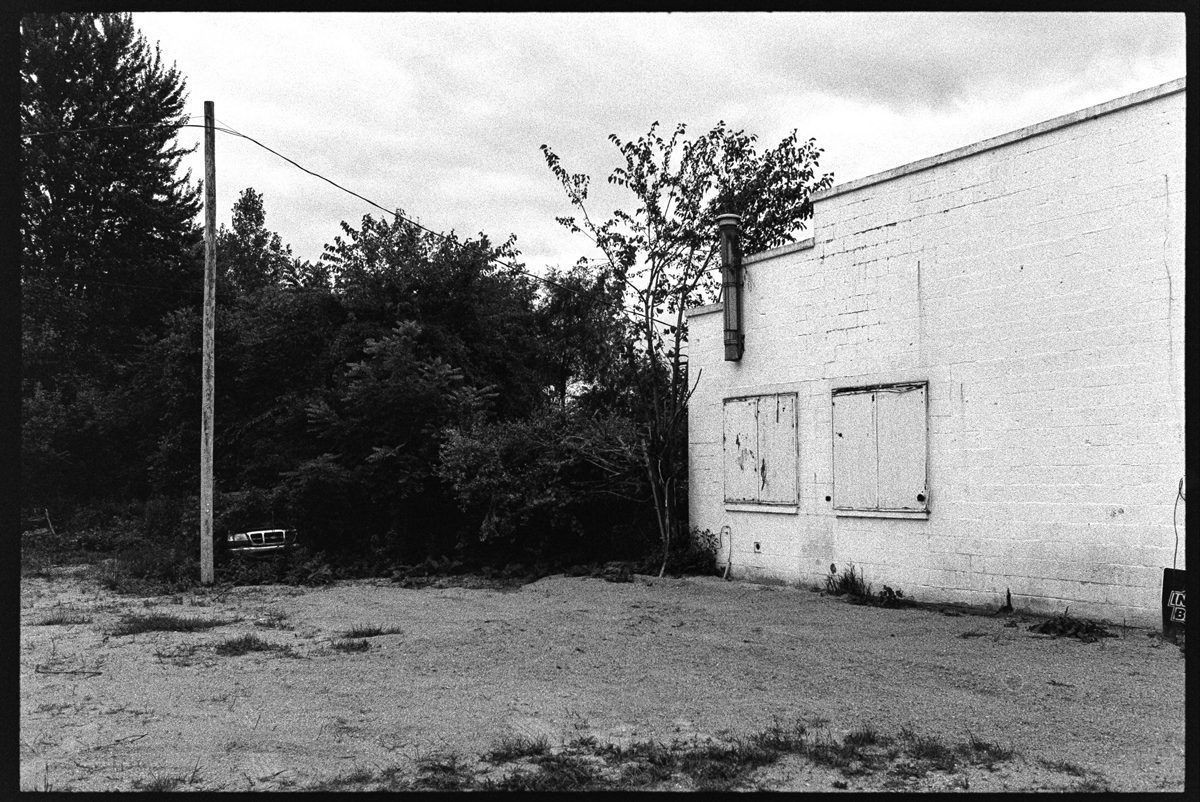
969, 379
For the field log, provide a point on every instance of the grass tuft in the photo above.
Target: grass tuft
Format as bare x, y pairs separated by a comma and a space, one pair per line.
1065, 767
244, 644
985, 753
866, 735
158, 784
515, 747
779, 738
929, 750
164, 622
361, 645
369, 631
444, 772
639, 775
554, 773
64, 618
848, 583
388, 779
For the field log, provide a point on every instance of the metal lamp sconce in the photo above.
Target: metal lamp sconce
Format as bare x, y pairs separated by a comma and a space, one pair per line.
731, 284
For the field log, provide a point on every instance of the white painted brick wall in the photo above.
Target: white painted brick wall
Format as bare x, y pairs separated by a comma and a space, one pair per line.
1038, 288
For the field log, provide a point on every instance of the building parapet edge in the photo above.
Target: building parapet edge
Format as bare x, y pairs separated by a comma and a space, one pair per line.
800, 245
1091, 112
702, 310
1029, 131
791, 247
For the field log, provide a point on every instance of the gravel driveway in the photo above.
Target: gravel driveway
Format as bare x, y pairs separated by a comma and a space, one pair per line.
456, 669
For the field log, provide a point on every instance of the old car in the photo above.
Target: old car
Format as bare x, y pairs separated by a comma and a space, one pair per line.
258, 542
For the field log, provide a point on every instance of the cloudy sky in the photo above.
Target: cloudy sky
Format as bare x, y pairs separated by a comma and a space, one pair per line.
442, 115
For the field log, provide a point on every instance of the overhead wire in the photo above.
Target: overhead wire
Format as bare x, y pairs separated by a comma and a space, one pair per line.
229, 130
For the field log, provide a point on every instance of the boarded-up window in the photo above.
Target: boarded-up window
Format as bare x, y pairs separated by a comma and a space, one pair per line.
760, 449
879, 448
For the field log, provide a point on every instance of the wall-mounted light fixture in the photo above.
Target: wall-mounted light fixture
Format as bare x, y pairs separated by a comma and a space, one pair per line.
731, 284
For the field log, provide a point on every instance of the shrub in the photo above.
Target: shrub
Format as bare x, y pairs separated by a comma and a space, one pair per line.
247, 509
695, 556
558, 485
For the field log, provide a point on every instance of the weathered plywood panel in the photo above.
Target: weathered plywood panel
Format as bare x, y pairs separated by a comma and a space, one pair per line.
777, 449
741, 449
854, 452
902, 432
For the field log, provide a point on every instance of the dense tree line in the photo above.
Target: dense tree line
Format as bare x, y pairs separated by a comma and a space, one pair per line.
408, 394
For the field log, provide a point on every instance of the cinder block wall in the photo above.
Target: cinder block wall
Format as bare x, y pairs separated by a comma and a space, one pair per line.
1038, 287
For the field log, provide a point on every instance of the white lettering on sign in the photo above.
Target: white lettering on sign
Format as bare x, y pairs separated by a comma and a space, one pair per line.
1176, 601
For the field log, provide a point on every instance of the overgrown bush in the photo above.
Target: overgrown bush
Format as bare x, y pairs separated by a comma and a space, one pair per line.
559, 485
695, 556
158, 554
252, 508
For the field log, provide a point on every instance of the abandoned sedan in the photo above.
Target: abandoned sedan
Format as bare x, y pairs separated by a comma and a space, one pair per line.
259, 542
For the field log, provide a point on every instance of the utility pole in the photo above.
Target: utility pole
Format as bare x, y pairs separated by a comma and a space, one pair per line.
210, 300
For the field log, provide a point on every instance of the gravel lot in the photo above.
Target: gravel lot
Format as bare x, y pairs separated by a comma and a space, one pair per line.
661, 659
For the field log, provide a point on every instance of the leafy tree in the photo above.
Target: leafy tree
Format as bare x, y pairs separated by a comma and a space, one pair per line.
665, 254
585, 332
474, 313
107, 224
381, 429
251, 257
560, 484
434, 333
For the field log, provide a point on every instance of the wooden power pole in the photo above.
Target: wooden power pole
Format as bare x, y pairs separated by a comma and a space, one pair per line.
210, 299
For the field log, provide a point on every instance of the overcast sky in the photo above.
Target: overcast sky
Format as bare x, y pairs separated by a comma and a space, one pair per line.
442, 115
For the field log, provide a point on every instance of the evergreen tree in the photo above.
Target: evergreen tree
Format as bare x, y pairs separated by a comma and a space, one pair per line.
250, 256
109, 238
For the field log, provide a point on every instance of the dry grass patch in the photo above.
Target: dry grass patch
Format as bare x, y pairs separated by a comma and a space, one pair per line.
360, 631
136, 624
61, 618
348, 645
515, 747
244, 644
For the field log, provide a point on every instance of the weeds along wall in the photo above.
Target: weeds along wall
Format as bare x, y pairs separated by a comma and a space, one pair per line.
1017, 306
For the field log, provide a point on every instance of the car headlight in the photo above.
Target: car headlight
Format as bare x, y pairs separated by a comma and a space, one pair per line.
240, 537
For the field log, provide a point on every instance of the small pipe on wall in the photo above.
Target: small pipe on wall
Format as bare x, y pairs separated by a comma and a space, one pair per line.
731, 284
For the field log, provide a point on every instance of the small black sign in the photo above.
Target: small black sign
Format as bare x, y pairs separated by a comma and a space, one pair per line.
1174, 602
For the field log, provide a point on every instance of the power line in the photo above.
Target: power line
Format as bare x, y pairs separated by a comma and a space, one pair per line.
62, 131
426, 229
397, 215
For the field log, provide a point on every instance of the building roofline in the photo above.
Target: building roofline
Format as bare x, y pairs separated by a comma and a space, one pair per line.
1029, 131
1091, 112
702, 310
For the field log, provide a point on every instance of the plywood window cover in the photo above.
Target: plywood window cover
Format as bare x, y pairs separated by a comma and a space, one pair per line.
886, 512
759, 505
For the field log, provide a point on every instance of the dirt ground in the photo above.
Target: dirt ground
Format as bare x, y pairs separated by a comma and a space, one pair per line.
562, 658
